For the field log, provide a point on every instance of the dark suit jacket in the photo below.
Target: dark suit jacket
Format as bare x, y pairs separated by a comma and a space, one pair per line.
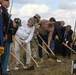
7, 24
1, 31
5, 16
69, 37
57, 31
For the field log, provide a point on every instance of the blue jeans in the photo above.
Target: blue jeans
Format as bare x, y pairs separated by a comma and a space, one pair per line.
52, 45
5, 57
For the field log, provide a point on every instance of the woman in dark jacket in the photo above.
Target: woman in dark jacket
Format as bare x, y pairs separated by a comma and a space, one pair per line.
67, 37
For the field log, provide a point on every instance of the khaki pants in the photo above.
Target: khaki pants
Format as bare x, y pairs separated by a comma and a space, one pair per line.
18, 48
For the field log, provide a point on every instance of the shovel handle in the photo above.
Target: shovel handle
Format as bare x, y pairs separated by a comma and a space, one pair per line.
46, 44
27, 53
17, 60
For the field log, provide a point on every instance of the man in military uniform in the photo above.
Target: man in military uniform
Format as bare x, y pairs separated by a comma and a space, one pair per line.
1, 41
4, 6
1, 31
7, 31
33, 44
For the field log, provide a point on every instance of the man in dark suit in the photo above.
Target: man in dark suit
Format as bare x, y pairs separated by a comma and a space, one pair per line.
57, 38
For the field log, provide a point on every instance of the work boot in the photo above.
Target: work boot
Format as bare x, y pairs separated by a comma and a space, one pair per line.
50, 59
41, 60
29, 67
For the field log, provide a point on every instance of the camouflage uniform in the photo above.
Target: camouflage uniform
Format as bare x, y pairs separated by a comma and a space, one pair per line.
33, 44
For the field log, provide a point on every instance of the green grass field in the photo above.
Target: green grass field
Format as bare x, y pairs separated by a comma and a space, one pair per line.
49, 68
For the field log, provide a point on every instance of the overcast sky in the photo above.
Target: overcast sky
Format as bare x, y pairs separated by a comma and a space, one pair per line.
60, 9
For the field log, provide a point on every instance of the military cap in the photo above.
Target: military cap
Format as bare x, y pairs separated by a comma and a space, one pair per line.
37, 16
32, 20
17, 21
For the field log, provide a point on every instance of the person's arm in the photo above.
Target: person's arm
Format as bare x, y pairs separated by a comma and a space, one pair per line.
5, 22
30, 36
60, 34
70, 36
50, 35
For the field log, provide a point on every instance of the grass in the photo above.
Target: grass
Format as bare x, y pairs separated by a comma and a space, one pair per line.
49, 68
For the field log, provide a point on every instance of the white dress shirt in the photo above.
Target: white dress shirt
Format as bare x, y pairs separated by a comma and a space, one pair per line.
25, 33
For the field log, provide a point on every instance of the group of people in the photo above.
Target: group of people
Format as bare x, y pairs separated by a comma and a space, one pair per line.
51, 31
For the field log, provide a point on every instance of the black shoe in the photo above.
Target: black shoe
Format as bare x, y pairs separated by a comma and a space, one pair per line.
30, 68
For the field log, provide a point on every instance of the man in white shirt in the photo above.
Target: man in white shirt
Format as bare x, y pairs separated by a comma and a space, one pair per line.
24, 35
